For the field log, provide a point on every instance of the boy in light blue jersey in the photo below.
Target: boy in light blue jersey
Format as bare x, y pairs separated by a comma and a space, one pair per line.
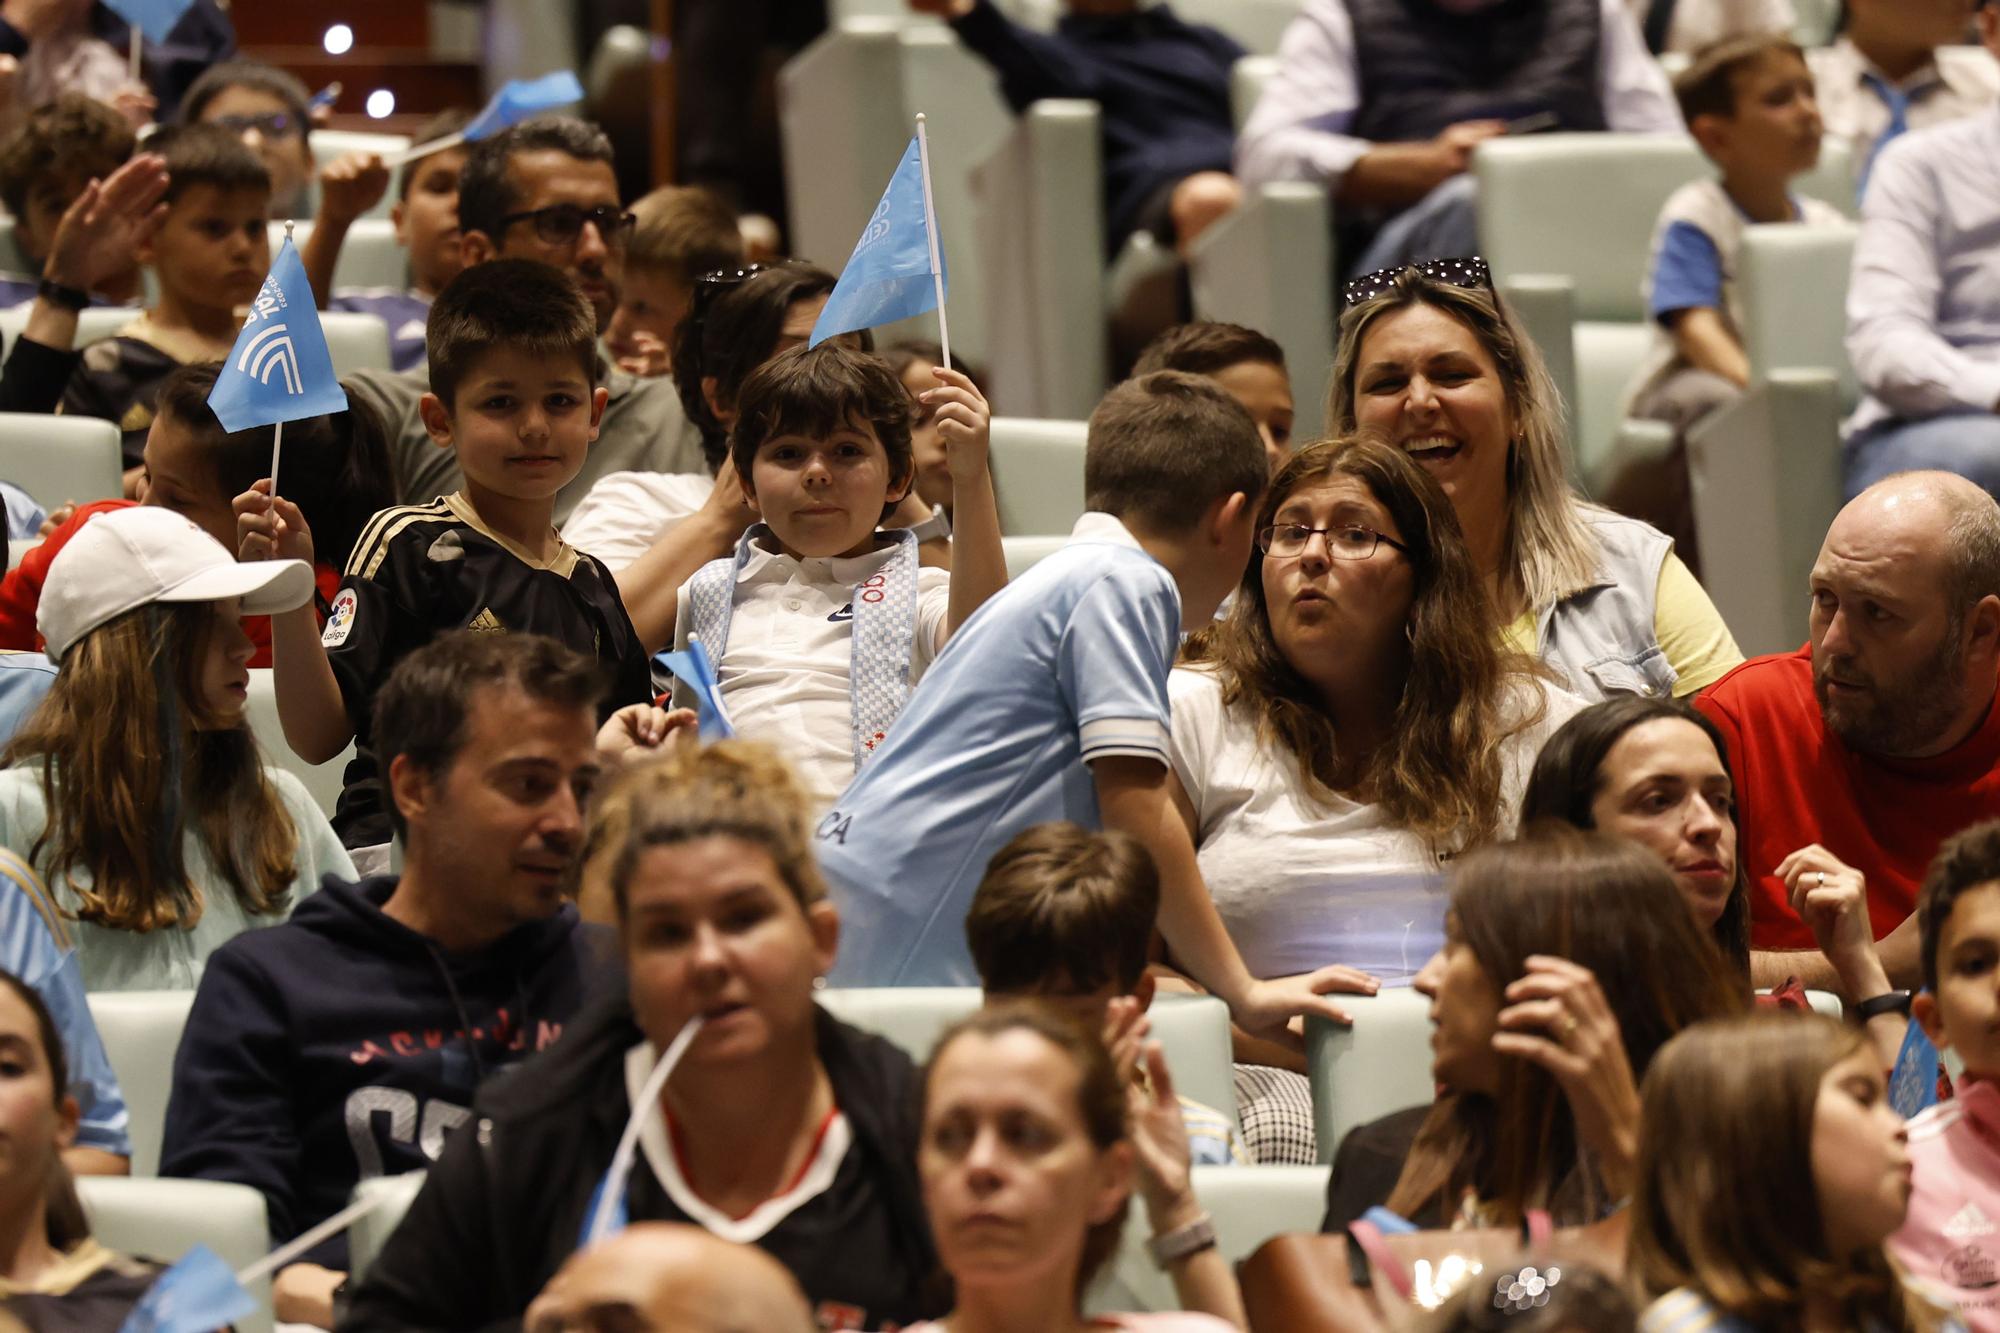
1051, 704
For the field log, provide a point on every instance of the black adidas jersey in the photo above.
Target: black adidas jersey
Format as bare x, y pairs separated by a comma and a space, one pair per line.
420, 570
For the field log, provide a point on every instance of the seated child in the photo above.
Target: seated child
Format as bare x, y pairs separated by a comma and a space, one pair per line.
44, 165
821, 447
1066, 915
426, 218
1749, 103
1053, 705
210, 255
513, 374
1951, 1236
913, 360
267, 108
1249, 366
683, 233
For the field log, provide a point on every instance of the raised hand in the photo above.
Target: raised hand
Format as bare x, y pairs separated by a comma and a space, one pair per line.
101, 228
1557, 1017
270, 529
1268, 1007
350, 185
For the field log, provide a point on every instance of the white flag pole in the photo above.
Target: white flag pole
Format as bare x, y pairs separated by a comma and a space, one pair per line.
621, 1157
135, 53
930, 230
278, 429
415, 151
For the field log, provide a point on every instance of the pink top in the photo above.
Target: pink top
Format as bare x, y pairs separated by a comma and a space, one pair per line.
1951, 1235
1174, 1321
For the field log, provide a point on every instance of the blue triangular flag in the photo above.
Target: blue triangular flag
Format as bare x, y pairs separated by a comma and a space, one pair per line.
521, 99
1913, 1082
155, 18
692, 668
197, 1295
888, 277
279, 369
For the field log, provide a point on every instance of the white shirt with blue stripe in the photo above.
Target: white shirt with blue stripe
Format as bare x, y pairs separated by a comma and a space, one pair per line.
1066, 665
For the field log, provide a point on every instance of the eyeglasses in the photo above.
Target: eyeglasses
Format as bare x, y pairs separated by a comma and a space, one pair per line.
1288, 541
1469, 271
561, 224
276, 125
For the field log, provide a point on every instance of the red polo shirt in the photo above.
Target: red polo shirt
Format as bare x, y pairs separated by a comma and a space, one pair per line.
1796, 783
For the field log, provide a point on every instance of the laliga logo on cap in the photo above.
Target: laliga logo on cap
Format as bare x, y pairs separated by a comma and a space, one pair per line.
271, 351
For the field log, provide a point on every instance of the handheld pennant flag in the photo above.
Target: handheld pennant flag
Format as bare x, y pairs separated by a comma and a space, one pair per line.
521, 99
155, 18
279, 369
896, 269
693, 669
197, 1295
1913, 1083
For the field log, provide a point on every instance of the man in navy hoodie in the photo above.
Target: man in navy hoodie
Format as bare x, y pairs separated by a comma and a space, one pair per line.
345, 1043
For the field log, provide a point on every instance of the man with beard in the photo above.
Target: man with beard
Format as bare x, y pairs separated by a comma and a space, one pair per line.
1879, 739
544, 190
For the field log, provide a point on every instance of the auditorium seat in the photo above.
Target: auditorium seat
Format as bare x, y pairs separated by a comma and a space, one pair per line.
1379, 1065
322, 781
162, 1220
369, 255
57, 459
141, 1031
1250, 1204
1037, 475
356, 341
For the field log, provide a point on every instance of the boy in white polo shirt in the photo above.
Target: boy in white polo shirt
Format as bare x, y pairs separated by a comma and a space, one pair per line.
819, 625
1052, 705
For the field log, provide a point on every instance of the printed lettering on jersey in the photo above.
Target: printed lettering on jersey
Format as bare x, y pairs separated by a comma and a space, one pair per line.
341, 622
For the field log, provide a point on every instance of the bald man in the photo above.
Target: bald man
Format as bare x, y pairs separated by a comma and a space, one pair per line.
669, 1277
1879, 738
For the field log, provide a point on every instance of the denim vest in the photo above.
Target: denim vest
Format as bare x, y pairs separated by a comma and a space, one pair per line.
1602, 638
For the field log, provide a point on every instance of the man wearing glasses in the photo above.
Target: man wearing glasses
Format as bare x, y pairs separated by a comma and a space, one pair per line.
545, 191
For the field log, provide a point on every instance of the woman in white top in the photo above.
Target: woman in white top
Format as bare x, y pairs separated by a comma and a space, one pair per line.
135, 789
1031, 1137
1351, 727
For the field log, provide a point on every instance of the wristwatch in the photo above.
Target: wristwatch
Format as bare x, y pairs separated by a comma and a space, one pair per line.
935, 528
56, 293
1888, 1002
1190, 1238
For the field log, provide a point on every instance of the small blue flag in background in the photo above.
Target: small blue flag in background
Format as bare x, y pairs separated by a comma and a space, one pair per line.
279, 369
888, 277
693, 669
155, 18
197, 1295
1913, 1082
522, 98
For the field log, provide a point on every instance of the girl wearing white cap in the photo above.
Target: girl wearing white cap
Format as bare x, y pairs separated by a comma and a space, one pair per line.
135, 789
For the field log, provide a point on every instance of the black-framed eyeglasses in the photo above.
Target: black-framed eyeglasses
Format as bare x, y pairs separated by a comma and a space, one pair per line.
561, 224
1347, 541
1468, 271
275, 125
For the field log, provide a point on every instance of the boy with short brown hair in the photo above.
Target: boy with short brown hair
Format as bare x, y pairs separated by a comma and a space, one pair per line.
683, 232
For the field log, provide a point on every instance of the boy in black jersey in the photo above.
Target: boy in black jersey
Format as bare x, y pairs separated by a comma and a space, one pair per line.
513, 373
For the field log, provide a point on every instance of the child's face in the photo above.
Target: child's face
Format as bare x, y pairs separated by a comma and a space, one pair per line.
824, 497
521, 423
427, 220
175, 475
213, 248
1965, 1012
1203, 588
926, 445
1860, 1156
269, 129
1266, 394
225, 669
1775, 131
651, 301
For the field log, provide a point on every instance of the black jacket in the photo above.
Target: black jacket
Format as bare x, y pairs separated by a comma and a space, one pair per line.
506, 1203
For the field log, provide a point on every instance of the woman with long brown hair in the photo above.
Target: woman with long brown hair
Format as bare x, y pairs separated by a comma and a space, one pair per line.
1350, 727
1772, 1171
1569, 960
135, 789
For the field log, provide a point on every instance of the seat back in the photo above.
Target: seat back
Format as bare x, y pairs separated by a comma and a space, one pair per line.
1609, 355
371, 1232
1792, 281
369, 254
1024, 553
1037, 475
1257, 25
162, 1220
910, 1017
92, 323
355, 341
1247, 80
323, 782
1249, 1204
57, 459
1363, 1072
141, 1031
11, 258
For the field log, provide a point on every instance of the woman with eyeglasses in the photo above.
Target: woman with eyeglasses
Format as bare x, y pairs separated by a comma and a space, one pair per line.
1431, 359
1349, 728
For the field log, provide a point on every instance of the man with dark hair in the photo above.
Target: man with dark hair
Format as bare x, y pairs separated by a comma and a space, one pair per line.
545, 191
345, 1043
1879, 738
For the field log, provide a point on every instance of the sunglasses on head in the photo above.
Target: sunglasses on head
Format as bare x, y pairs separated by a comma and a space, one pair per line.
1468, 271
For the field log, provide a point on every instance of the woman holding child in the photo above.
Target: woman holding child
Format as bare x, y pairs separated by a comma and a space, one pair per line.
1351, 726
1432, 360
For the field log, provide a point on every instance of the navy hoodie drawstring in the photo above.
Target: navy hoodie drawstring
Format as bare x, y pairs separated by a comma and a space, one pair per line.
464, 1018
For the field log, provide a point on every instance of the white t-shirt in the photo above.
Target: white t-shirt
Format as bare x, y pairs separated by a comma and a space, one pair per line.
1301, 883
787, 670
626, 512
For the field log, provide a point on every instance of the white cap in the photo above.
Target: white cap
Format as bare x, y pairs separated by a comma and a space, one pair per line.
124, 559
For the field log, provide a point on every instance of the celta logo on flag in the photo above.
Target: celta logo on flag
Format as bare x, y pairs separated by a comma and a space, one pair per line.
888, 277
521, 99
280, 369
155, 18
